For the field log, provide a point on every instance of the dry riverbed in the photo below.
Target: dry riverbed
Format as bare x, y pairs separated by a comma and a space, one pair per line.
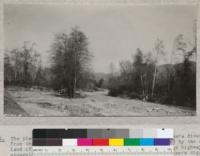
46, 103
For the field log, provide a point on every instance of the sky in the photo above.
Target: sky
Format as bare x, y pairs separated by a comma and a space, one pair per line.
114, 31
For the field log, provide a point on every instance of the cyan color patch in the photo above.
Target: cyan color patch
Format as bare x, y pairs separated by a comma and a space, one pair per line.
147, 142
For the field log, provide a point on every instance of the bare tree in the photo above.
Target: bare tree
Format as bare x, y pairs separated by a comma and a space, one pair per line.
24, 62
159, 51
125, 69
112, 69
78, 47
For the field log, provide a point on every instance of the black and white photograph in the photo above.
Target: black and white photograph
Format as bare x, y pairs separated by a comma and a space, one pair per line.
100, 60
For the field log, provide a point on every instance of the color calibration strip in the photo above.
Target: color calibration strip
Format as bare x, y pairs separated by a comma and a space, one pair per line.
102, 137
103, 142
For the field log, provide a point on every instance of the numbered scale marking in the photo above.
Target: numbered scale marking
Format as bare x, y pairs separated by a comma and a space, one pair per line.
103, 151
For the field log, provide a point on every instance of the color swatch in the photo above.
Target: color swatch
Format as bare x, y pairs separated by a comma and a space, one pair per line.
102, 137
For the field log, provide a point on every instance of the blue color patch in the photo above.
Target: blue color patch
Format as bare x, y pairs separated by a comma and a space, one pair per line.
147, 142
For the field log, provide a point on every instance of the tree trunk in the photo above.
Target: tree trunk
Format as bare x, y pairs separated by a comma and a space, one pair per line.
142, 84
154, 81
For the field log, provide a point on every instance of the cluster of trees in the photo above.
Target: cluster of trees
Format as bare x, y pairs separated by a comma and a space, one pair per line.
22, 66
71, 59
69, 70
143, 77
146, 79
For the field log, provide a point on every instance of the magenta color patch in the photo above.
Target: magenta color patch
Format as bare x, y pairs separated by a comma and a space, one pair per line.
84, 142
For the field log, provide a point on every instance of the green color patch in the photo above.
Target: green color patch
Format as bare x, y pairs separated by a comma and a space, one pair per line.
131, 142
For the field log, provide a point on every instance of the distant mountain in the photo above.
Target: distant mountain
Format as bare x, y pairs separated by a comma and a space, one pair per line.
104, 76
192, 66
178, 66
99, 76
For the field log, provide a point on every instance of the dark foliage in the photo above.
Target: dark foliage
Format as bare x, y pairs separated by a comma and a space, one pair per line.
175, 84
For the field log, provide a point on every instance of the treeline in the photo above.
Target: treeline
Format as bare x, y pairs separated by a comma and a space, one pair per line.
145, 79
22, 66
70, 65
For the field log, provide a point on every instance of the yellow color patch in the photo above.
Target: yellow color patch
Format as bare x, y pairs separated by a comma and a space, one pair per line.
116, 142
